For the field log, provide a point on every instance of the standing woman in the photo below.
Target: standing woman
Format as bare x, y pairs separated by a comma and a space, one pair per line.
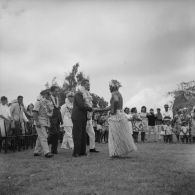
66, 111
129, 118
29, 114
120, 141
143, 116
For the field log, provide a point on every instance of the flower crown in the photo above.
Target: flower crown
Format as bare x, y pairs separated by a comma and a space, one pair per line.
115, 83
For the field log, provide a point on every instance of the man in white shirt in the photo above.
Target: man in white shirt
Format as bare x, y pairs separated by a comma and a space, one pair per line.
167, 112
17, 112
5, 117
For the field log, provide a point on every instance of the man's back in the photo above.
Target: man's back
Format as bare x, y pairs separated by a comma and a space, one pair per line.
80, 109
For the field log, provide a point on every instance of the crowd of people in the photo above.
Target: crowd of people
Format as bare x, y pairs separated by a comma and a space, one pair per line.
76, 120
162, 126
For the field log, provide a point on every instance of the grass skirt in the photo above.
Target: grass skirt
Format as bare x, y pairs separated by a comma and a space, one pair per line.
120, 141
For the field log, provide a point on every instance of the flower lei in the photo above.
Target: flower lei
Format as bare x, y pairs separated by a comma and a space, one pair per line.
47, 106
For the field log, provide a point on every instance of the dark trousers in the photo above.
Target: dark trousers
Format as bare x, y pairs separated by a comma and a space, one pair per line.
98, 136
53, 140
143, 136
17, 131
169, 138
177, 136
54, 132
79, 137
184, 139
135, 136
105, 136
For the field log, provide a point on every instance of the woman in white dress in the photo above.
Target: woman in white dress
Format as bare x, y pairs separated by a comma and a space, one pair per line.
120, 141
66, 111
130, 118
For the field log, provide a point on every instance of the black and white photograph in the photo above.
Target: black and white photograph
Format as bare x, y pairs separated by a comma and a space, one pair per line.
97, 97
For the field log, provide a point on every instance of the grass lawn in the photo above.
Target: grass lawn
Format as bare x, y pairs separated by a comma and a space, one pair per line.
155, 169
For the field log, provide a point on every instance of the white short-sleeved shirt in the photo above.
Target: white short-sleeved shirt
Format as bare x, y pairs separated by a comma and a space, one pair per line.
5, 111
40, 107
169, 113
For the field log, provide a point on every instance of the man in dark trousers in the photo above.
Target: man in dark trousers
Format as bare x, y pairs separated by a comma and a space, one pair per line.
79, 119
55, 121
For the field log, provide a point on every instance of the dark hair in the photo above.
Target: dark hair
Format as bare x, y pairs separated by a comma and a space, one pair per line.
3, 98
151, 109
19, 97
46, 91
113, 88
133, 109
29, 106
84, 81
143, 107
158, 109
126, 108
53, 88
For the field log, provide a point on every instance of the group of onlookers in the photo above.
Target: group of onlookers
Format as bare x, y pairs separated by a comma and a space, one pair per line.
43, 119
162, 126
69, 123
48, 120
14, 118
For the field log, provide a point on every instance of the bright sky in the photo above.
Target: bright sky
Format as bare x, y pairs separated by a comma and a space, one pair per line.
149, 46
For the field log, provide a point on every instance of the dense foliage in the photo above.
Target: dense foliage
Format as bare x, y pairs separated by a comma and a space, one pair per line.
70, 82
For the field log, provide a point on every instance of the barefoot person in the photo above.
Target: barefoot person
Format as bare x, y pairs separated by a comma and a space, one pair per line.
120, 141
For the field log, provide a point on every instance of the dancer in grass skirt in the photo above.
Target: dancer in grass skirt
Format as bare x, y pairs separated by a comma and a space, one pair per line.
120, 140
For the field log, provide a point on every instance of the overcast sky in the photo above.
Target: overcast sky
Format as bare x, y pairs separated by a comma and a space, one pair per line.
149, 46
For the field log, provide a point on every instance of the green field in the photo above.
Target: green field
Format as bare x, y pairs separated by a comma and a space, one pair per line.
155, 169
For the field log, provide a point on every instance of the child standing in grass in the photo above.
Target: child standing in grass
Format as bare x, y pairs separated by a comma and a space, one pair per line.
163, 131
184, 134
169, 132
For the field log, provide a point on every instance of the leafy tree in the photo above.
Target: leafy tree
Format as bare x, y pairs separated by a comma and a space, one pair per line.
184, 96
47, 85
71, 78
70, 83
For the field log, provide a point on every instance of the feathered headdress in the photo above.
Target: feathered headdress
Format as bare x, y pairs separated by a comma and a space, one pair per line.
115, 83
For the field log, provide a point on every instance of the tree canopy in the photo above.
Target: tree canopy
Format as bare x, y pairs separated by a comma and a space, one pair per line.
71, 80
184, 96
